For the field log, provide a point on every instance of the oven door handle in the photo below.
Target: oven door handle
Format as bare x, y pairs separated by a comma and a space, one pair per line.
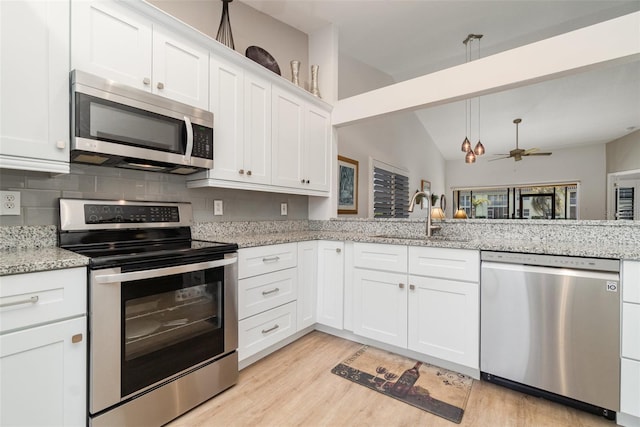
165, 271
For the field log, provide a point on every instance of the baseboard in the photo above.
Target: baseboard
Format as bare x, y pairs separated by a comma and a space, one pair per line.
627, 420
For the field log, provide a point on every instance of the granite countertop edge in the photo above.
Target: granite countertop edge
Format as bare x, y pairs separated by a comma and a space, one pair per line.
29, 260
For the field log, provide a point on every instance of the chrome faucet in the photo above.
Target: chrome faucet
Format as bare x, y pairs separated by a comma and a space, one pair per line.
412, 203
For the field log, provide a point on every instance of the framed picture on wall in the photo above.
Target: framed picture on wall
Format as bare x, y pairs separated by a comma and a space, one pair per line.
348, 185
425, 186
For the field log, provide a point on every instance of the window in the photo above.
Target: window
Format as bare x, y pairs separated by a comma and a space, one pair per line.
390, 191
554, 201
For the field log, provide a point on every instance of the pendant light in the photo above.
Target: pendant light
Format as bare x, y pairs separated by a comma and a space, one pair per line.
478, 150
224, 35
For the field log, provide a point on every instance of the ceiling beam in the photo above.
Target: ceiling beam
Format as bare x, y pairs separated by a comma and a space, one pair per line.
604, 44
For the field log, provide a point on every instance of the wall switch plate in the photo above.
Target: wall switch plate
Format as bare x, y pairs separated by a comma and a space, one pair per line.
283, 208
217, 207
9, 203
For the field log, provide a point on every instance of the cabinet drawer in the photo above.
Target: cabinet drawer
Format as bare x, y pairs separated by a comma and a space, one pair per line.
265, 329
261, 293
380, 257
265, 259
35, 298
453, 264
631, 281
630, 387
631, 330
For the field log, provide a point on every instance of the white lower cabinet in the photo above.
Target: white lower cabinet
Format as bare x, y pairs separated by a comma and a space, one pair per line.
43, 350
256, 333
399, 300
380, 306
307, 283
330, 283
630, 361
267, 294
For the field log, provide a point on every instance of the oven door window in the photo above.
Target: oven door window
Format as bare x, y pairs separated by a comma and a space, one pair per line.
170, 324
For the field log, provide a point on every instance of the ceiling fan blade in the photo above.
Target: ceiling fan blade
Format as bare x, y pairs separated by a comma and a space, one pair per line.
530, 150
500, 158
538, 154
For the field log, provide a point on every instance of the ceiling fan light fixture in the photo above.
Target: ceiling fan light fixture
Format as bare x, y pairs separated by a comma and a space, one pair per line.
466, 145
479, 149
470, 157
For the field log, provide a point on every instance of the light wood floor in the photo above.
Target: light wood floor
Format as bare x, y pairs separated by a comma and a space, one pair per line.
295, 387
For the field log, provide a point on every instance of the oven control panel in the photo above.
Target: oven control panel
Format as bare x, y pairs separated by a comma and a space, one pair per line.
116, 214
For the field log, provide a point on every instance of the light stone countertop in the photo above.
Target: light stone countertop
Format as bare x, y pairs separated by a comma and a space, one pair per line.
29, 260
26, 260
597, 249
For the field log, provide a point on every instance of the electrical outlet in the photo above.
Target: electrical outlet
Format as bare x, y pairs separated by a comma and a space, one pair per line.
9, 203
283, 208
217, 207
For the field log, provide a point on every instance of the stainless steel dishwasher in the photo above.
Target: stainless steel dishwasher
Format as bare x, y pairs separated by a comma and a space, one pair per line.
550, 326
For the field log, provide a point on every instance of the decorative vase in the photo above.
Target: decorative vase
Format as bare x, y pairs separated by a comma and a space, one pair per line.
314, 81
295, 71
224, 31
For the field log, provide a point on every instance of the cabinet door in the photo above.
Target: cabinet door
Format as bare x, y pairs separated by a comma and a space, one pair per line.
287, 140
307, 283
444, 319
180, 70
330, 308
630, 387
111, 42
226, 103
257, 129
34, 85
43, 373
380, 306
317, 149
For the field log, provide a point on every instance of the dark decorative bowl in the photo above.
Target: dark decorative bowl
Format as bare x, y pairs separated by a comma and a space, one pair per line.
263, 58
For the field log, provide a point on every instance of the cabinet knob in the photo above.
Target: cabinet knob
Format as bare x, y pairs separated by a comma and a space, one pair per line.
302, 181
61, 144
401, 285
249, 173
160, 85
76, 338
412, 287
241, 171
146, 81
338, 250
308, 182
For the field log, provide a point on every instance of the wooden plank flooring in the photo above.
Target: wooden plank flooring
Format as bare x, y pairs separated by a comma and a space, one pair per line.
295, 387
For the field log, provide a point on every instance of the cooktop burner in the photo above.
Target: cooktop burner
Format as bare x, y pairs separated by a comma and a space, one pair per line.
131, 233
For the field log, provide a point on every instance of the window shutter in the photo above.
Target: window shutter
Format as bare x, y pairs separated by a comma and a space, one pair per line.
390, 194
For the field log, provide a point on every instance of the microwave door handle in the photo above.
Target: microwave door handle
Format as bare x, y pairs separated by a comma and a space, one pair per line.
189, 148
165, 271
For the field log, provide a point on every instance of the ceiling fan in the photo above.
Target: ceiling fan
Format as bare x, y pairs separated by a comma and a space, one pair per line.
518, 153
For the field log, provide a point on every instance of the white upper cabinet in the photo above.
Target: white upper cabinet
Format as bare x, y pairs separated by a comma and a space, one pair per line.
118, 44
34, 85
301, 145
241, 105
288, 138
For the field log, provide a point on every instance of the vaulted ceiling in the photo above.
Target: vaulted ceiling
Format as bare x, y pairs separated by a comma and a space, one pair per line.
406, 39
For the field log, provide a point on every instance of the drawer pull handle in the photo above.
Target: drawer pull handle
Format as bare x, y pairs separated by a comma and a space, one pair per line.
76, 338
31, 300
412, 287
273, 328
271, 259
274, 290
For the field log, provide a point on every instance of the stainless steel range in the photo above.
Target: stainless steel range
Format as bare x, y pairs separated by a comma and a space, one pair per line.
163, 323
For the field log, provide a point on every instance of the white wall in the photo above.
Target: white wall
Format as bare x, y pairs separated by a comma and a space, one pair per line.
397, 139
249, 27
623, 154
561, 166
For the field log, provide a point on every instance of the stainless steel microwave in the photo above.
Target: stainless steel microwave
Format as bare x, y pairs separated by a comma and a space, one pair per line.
120, 126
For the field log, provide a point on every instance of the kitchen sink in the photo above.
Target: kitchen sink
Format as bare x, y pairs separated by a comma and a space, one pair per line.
427, 238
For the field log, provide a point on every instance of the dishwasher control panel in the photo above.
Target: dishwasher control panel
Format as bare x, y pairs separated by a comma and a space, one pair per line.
580, 263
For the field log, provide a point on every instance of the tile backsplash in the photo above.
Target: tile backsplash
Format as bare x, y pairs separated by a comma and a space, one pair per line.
39, 194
